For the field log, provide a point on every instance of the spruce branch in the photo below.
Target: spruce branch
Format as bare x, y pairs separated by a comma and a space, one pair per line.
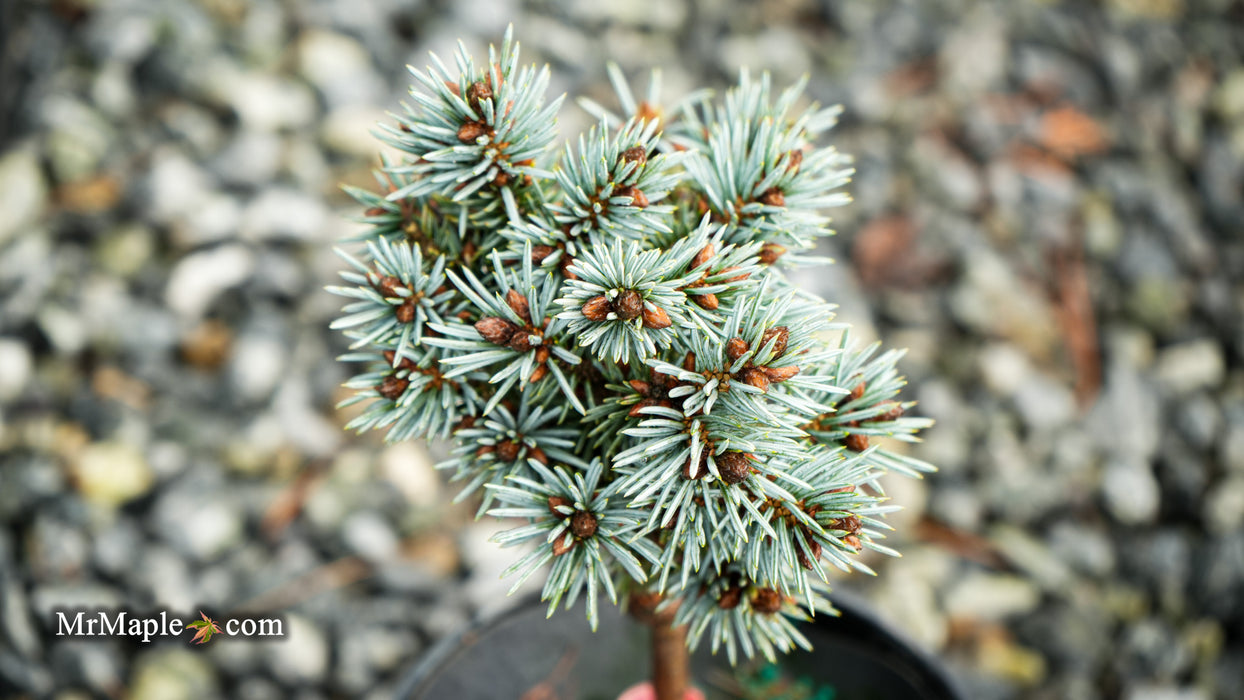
609, 338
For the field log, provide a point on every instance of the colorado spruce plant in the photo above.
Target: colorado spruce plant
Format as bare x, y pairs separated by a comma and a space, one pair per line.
606, 332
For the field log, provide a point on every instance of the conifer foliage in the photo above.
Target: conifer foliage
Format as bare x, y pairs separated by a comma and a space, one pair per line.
607, 334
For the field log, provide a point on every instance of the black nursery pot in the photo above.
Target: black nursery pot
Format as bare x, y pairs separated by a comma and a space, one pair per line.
518, 654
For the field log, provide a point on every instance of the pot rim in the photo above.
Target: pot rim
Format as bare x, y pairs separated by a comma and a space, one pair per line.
853, 607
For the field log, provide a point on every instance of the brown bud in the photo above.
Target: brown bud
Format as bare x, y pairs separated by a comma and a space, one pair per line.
688, 362
538, 454
387, 286
640, 386
894, 412
597, 309
583, 524
520, 341
780, 374
405, 312
643, 403
375, 211
562, 544
638, 198
629, 305
806, 557
661, 381
497, 331
485, 450
736, 278
701, 258
479, 90
755, 377
730, 598
853, 541
856, 442
542, 354
858, 391
518, 303
773, 197
706, 301
766, 600
656, 318
540, 252
470, 131
736, 348
770, 252
850, 524
648, 111
501, 179
794, 160
782, 336
635, 154
733, 467
507, 450
555, 501
538, 373
392, 387
695, 470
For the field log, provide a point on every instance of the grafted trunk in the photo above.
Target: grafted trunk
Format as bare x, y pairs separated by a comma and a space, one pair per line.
671, 664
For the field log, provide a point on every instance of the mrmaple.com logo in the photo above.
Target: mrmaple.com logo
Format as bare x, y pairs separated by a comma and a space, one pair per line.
122, 623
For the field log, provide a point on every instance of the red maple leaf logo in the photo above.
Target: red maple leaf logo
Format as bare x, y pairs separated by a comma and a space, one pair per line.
206, 628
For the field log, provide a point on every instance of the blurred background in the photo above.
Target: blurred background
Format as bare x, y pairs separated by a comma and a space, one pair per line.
1049, 213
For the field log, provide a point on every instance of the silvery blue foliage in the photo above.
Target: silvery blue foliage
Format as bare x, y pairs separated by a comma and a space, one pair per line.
609, 338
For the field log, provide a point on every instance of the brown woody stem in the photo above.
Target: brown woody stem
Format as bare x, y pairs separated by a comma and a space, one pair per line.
671, 665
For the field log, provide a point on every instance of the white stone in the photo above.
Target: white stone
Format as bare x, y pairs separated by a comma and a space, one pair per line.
1224, 505
304, 427
1131, 492
111, 473
168, 579
262, 101
166, 673
1164, 692
1004, 368
486, 588
176, 186
198, 278
15, 367
349, 130
23, 191
974, 55
215, 219
255, 366
281, 212
909, 603
339, 67
302, 656
409, 467
1193, 365
251, 158
1045, 404
368, 535
992, 597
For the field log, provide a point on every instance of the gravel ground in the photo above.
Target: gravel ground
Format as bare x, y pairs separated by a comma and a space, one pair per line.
1049, 213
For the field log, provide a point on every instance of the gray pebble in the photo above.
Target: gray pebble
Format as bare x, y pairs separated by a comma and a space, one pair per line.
1131, 492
